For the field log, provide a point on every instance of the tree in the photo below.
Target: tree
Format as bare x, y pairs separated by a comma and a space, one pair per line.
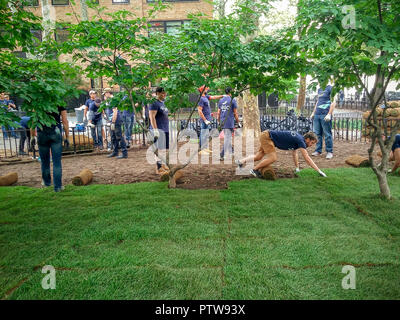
347, 40
40, 80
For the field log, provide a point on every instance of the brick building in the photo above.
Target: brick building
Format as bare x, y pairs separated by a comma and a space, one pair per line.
167, 21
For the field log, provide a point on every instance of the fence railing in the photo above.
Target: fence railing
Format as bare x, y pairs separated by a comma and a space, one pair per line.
15, 143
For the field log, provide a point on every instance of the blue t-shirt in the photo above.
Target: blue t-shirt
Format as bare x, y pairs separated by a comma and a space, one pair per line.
24, 122
161, 115
226, 110
396, 143
205, 104
128, 114
287, 140
96, 115
5, 103
88, 102
324, 98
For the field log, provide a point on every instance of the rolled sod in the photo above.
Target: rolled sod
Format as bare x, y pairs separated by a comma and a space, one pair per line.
164, 176
9, 179
358, 161
84, 177
268, 173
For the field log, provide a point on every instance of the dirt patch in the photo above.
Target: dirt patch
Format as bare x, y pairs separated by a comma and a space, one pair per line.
137, 169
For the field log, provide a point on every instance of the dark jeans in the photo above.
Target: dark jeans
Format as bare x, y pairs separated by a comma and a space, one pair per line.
24, 133
118, 141
50, 139
323, 128
97, 134
128, 125
7, 131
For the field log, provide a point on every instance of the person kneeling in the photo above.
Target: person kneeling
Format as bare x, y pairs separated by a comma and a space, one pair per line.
283, 140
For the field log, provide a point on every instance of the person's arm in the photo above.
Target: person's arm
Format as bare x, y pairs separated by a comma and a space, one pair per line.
64, 120
310, 162
200, 110
219, 114
315, 108
296, 160
215, 97
12, 105
396, 156
152, 116
115, 115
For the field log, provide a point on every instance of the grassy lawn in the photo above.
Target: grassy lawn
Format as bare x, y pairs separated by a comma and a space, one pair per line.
287, 239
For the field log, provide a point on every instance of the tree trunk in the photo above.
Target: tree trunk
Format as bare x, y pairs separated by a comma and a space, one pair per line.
84, 10
251, 115
383, 184
302, 93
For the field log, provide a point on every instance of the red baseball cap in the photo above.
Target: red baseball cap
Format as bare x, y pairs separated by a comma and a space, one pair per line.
203, 88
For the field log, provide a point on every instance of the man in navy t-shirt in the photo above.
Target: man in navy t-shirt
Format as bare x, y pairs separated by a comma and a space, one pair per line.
205, 117
395, 154
227, 113
283, 140
322, 116
7, 105
96, 123
117, 138
92, 97
159, 123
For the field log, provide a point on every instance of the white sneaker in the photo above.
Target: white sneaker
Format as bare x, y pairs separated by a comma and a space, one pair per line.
316, 154
329, 155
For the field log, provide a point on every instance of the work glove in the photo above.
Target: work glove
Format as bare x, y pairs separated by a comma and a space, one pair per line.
112, 126
328, 117
156, 134
66, 143
239, 125
33, 143
322, 174
91, 125
207, 122
312, 115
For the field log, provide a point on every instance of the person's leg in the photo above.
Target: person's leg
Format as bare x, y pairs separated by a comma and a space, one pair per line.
271, 158
56, 153
5, 135
204, 133
318, 132
94, 136
44, 153
22, 140
396, 157
99, 128
121, 140
327, 129
227, 142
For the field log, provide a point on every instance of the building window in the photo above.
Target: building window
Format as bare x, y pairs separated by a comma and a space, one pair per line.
150, 1
37, 34
32, 3
170, 27
120, 1
60, 2
61, 35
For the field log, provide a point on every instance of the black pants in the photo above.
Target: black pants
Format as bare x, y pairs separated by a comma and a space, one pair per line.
118, 141
24, 133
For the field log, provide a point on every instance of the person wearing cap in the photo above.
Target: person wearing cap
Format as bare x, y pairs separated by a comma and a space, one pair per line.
159, 123
92, 97
227, 113
205, 117
108, 114
96, 123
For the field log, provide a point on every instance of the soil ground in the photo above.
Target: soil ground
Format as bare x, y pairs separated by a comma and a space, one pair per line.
137, 169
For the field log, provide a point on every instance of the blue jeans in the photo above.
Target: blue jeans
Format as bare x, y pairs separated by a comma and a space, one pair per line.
227, 142
10, 130
96, 134
204, 134
323, 128
128, 125
50, 139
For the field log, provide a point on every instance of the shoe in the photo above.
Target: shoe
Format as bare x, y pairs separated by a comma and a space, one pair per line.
256, 173
109, 149
316, 154
112, 155
122, 156
59, 189
45, 185
101, 148
329, 155
23, 153
239, 164
221, 158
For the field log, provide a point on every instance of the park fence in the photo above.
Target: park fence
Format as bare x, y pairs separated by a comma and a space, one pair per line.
15, 143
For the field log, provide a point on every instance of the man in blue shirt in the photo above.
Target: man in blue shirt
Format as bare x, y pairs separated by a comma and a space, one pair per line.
395, 154
283, 140
7, 104
322, 116
92, 97
159, 123
24, 133
227, 112
96, 123
205, 117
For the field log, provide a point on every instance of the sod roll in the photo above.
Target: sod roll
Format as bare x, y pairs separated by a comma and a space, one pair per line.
268, 173
84, 177
8, 179
164, 175
357, 161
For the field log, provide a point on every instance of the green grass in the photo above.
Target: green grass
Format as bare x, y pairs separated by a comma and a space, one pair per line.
287, 239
